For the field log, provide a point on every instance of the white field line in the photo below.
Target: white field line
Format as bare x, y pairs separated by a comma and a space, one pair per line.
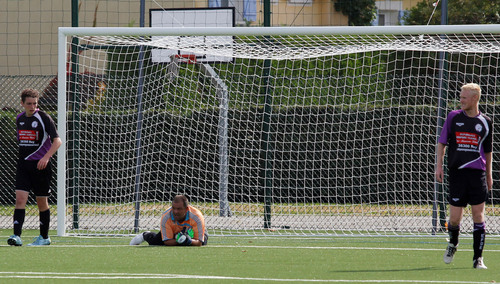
124, 276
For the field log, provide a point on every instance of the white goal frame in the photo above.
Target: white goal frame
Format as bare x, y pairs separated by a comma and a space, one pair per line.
65, 32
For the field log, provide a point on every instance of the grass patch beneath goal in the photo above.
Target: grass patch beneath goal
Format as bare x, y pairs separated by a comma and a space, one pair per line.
247, 260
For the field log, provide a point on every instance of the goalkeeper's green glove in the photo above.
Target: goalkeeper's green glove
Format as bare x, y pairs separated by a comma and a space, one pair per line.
183, 238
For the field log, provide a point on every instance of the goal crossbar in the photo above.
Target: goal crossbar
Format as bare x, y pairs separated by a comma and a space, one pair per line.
269, 31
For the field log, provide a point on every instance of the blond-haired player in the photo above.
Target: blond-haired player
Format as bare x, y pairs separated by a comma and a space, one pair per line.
467, 133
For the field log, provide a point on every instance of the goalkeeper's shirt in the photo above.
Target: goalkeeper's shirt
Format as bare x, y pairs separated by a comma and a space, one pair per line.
35, 134
194, 220
468, 138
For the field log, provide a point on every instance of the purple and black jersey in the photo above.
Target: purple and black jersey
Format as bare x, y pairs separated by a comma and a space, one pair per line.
35, 134
468, 138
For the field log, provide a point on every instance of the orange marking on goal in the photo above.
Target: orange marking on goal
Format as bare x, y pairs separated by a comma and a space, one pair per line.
187, 58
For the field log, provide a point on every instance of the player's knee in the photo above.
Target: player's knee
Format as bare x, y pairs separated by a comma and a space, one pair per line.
21, 201
479, 218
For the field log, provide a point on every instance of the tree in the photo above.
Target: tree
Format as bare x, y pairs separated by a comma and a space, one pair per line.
460, 12
359, 12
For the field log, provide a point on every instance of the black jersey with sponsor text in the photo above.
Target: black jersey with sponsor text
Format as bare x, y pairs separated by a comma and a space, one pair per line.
468, 138
35, 134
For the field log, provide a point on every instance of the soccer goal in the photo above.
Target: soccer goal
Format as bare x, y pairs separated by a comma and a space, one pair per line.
268, 131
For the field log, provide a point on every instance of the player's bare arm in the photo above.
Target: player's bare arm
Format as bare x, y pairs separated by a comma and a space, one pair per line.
196, 243
56, 143
441, 148
489, 176
173, 242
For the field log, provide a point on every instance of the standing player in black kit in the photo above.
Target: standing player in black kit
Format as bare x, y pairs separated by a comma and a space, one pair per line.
38, 141
468, 135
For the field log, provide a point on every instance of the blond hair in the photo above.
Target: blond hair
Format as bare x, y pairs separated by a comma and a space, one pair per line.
472, 88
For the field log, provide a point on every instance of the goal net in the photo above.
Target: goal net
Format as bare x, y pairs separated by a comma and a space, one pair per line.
268, 131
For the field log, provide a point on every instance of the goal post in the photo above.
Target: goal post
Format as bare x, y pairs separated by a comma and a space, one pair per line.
223, 97
61, 152
305, 131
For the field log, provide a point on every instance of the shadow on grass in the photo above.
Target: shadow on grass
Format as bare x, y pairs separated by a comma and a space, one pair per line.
398, 270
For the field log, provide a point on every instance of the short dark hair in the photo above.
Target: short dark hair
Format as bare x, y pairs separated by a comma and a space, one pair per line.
181, 198
29, 93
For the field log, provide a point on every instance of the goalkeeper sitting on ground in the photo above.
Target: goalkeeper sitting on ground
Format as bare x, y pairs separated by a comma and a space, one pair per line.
181, 225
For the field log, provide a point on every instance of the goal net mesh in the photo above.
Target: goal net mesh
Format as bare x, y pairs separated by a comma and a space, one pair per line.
276, 135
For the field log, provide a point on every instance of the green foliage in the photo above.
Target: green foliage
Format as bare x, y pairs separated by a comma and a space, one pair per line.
329, 80
460, 12
8, 118
123, 76
8, 152
360, 12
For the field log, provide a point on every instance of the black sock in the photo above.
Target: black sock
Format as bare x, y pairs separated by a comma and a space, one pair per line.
19, 215
479, 235
453, 232
45, 223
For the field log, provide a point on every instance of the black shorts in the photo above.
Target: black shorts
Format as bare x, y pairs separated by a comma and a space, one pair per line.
467, 186
29, 178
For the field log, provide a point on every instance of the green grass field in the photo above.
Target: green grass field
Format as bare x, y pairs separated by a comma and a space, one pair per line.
247, 260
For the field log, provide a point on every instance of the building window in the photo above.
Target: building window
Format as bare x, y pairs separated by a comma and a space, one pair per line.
381, 19
245, 10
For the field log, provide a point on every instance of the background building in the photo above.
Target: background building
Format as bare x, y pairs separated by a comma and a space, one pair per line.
28, 29
390, 12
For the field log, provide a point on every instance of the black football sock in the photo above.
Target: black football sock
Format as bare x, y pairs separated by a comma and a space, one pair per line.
453, 232
44, 223
19, 215
479, 235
